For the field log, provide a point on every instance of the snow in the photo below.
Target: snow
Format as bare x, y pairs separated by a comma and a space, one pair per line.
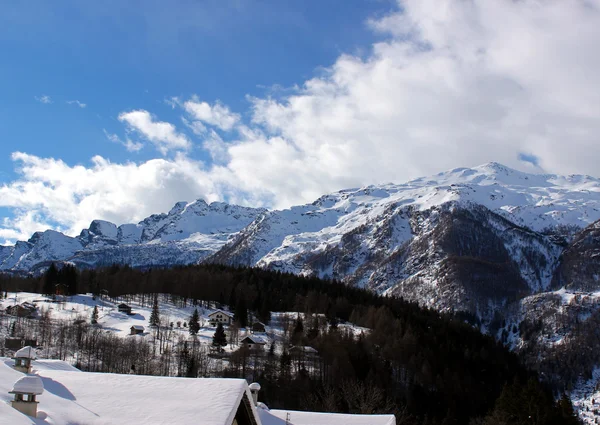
26, 352
100, 399
28, 385
586, 399
278, 238
279, 417
9, 416
189, 232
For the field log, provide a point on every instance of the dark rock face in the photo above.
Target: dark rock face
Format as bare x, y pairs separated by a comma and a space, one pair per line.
579, 268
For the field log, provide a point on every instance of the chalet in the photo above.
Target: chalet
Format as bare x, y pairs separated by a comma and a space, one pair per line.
22, 310
220, 316
136, 330
254, 342
124, 308
258, 327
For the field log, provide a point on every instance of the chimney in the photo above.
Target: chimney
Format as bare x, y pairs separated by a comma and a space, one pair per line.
254, 389
23, 359
25, 391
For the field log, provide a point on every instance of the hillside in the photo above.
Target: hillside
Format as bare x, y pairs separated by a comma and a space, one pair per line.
367, 353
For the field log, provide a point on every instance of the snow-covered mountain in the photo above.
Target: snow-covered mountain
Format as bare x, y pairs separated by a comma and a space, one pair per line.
185, 235
460, 239
468, 238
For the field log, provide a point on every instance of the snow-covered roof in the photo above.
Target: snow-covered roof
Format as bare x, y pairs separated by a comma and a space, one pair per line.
226, 313
138, 327
28, 385
304, 348
255, 339
14, 417
103, 398
27, 352
279, 417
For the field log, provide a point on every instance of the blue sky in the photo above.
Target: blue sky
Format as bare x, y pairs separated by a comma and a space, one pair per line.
116, 110
115, 56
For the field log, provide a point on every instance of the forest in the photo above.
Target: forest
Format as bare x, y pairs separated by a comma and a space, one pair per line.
423, 366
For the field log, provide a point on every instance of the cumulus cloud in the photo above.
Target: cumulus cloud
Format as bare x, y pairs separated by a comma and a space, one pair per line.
43, 99
75, 195
217, 115
162, 134
77, 103
450, 84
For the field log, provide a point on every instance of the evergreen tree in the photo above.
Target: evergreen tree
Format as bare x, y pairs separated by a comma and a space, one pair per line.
264, 311
566, 411
95, 315
68, 276
298, 333
155, 315
194, 325
241, 312
50, 280
219, 338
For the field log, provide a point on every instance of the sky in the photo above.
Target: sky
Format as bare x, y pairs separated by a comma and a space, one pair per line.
117, 110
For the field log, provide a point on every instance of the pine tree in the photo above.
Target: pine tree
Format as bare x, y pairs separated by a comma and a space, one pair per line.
155, 315
298, 333
194, 325
50, 280
95, 315
219, 338
241, 312
69, 277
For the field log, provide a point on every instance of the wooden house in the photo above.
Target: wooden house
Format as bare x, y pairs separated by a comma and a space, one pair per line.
124, 308
258, 327
136, 330
220, 316
254, 342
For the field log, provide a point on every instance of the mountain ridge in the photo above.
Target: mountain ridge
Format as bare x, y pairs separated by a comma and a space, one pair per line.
443, 240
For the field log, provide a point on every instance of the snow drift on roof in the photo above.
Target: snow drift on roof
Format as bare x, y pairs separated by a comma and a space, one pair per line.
26, 352
28, 385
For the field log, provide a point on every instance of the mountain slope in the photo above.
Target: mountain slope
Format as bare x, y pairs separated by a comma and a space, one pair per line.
185, 235
445, 241
468, 238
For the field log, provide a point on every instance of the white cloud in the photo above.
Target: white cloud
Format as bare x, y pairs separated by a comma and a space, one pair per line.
43, 99
75, 195
452, 84
129, 144
76, 102
217, 115
162, 134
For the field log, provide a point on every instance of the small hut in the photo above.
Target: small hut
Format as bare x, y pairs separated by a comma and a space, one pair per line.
124, 308
137, 330
25, 391
258, 327
23, 359
253, 342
